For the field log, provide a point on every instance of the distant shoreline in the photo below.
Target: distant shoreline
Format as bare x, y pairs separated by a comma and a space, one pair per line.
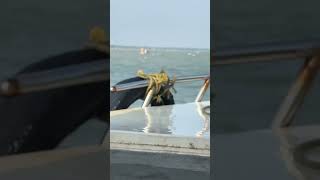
154, 47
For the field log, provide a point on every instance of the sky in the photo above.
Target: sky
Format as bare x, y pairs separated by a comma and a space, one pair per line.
160, 23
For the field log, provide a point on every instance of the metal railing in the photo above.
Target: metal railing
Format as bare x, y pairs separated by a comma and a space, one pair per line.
84, 73
144, 83
307, 51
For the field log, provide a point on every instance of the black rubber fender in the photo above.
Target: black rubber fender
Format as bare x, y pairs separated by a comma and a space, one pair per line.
41, 120
123, 99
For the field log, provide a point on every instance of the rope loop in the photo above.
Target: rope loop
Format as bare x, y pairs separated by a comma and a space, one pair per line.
160, 83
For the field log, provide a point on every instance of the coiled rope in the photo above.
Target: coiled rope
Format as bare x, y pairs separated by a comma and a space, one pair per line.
160, 83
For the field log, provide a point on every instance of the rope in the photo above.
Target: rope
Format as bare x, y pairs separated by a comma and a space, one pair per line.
159, 82
98, 40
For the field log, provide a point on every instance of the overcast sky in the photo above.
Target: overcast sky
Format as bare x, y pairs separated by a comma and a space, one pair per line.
160, 23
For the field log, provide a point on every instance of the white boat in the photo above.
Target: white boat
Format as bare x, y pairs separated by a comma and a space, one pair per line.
169, 141
145, 144
173, 150
143, 51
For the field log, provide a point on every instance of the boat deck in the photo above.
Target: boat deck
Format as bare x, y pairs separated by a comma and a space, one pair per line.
167, 142
182, 128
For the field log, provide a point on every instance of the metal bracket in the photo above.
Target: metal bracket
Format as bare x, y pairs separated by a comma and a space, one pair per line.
148, 99
296, 94
203, 90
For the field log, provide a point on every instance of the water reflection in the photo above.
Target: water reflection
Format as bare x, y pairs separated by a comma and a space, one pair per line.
164, 126
181, 120
206, 119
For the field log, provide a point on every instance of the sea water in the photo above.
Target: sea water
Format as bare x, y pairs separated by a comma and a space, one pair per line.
126, 61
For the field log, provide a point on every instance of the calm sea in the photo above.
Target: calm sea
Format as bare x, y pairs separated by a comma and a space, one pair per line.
126, 61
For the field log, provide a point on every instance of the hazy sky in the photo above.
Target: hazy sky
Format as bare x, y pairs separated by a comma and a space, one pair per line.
160, 23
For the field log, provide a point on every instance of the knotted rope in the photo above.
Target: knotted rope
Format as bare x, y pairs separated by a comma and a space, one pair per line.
98, 40
160, 83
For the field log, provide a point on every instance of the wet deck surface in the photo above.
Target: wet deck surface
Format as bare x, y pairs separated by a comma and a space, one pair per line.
154, 143
176, 120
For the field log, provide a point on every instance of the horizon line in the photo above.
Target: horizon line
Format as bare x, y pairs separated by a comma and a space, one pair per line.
159, 47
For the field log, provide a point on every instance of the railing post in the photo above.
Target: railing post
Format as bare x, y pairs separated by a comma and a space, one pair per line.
148, 98
296, 94
203, 90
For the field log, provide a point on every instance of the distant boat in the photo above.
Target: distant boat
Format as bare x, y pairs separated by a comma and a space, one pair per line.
143, 51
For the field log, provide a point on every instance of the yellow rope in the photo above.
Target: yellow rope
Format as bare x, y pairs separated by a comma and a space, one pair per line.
98, 39
156, 82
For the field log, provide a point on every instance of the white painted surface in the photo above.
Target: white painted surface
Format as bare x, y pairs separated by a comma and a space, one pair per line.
176, 120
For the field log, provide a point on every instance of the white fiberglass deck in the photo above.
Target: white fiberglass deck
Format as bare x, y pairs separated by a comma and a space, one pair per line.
164, 142
179, 120
162, 128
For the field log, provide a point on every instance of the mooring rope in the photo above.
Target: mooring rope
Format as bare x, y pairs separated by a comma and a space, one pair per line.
98, 40
160, 83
